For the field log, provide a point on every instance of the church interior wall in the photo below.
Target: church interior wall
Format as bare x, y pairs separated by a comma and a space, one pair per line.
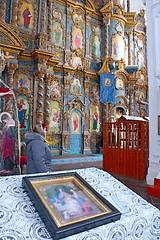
53, 59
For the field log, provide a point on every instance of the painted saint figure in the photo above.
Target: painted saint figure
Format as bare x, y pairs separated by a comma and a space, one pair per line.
95, 119
96, 47
76, 87
57, 34
27, 17
22, 109
75, 122
78, 41
8, 141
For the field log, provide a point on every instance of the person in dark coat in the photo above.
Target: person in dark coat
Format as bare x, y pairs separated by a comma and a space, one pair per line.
38, 153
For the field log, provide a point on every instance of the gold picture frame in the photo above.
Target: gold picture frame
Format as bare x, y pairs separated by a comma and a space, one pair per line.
67, 204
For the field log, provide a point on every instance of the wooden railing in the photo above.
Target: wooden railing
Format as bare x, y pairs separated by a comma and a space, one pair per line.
125, 148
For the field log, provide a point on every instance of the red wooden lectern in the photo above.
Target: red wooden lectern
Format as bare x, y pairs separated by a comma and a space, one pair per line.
154, 189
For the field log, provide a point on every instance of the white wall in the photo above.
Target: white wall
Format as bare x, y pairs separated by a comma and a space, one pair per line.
153, 46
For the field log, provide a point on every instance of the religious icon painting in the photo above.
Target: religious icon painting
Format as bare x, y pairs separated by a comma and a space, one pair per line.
140, 60
57, 33
77, 38
141, 79
117, 47
78, 18
119, 83
76, 86
95, 28
57, 14
96, 46
94, 119
26, 17
76, 62
54, 118
55, 88
22, 80
94, 94
140, 43
142, 96
75, 123
23, 112
140, 26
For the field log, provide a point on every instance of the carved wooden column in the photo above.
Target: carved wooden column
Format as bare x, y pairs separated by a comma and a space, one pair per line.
106, 21
49, 28
39, 78
2, 10
48, 79
88, 20
69, 14
128, 5
129, 48
67, 50
43, 17
14, 12
10, 72
131, 102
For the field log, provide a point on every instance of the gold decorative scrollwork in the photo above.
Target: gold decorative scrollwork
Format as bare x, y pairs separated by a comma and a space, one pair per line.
75, 103
78, 17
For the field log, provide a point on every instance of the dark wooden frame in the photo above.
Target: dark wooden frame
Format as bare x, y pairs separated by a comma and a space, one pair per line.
108, 212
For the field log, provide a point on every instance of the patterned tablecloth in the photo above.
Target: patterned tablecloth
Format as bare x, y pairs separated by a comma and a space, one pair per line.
20, 221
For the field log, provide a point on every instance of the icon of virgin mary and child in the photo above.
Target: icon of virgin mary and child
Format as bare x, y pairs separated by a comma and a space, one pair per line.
68, 201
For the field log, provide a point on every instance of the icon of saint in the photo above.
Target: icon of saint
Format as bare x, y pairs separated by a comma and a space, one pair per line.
27, 17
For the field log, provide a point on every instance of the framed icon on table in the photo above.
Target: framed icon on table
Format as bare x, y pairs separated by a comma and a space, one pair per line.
67, 204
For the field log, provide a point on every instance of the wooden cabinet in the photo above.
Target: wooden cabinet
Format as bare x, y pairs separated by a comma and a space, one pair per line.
125, 147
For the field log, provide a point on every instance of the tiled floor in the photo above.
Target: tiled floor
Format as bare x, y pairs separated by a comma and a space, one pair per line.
137, 186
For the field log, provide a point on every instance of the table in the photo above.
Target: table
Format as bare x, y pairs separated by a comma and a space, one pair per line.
20, 221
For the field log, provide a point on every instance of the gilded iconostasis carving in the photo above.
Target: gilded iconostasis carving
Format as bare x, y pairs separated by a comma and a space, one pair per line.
54, 53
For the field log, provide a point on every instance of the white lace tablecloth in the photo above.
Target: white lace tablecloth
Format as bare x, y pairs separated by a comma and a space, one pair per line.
20, 221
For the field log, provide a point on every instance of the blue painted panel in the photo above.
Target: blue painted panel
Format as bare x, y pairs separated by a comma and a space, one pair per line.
76, 132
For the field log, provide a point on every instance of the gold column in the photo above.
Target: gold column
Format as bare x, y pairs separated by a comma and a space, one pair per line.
39, 96
10, 72
2, 10
43, 17
129, 48
14, 12
48, 80
49, 29
106, 21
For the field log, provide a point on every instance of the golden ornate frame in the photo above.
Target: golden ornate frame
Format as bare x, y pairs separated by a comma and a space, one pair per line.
24, 71
58, 81
35, 15
116, 82
94, 101
80, 79
72, 40
76, 104
100, 39
114, 36
59, 11
140, 37
116, 27
63, 27
144, 63
79, 12
96, 104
